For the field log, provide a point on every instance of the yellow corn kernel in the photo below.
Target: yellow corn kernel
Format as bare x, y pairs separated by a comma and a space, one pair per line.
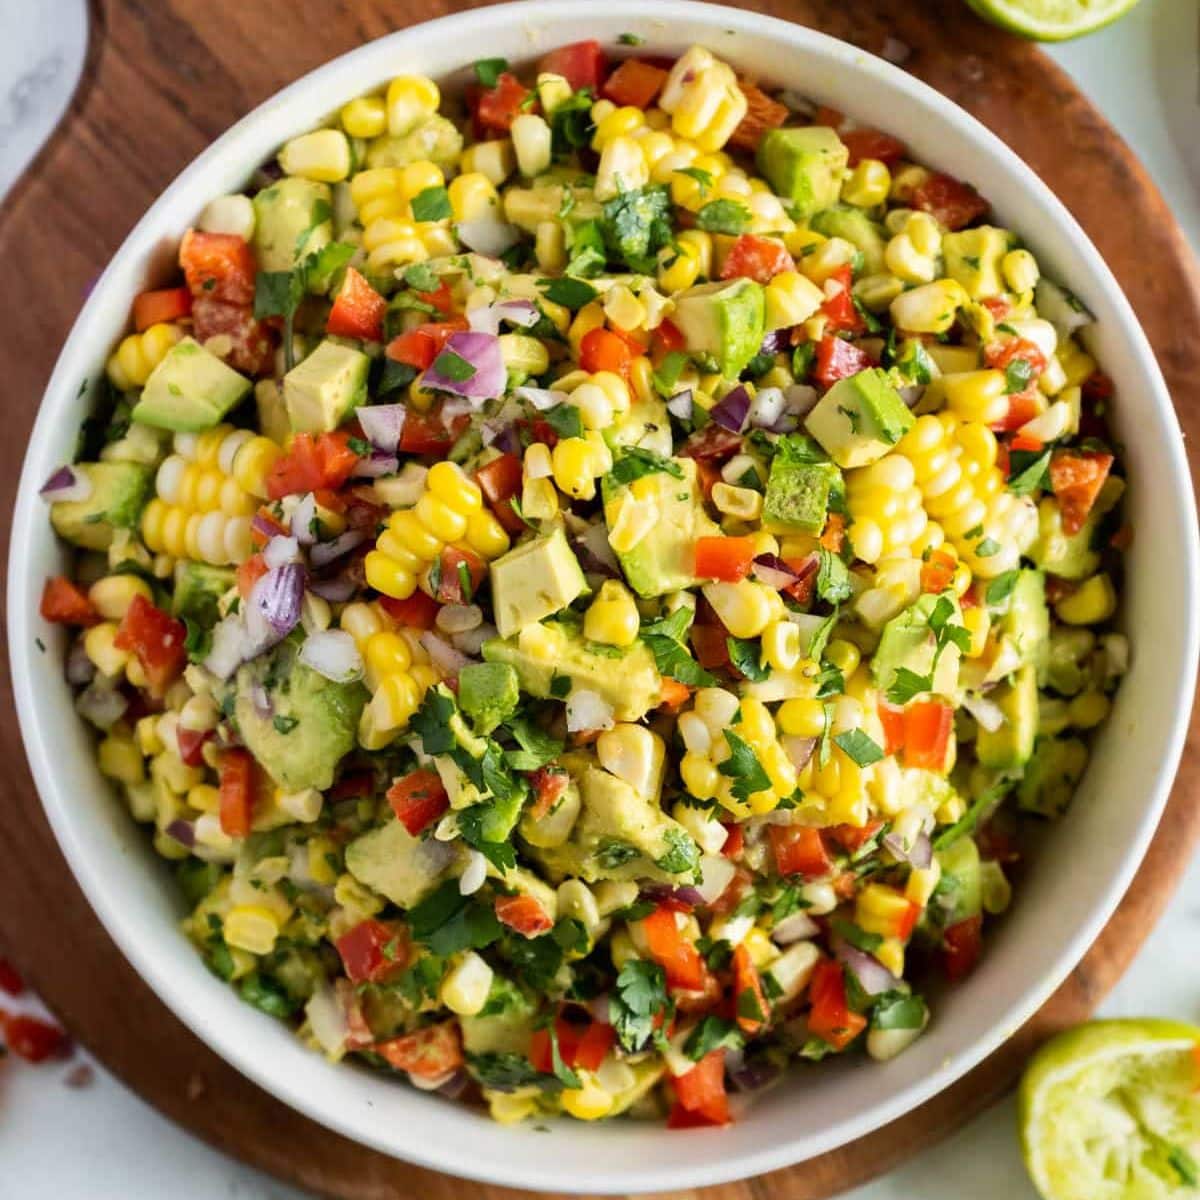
550, 247
1088, 709
699, 775
1095, 600
612, 618
450, 483
411, 100
98, 645
868, 184
485, 535
623, 309
878, 909
322, 155
587, 1103
977, 623
464, 990
620, 122
791, 299
703, 98
251, 927
744, 608
495, 160
553, 91
510, 1108
113, 594
743, 503
891, 955
522, 353
138, 354
629, 521
781, 645
252, 464
976, 396
396, 699
473, 196
385, 653
119, 758
531, 142
922, 881
573, 460
204, 798
801, 718
1020, 270
388, 577
364, 117
906, 262
622, 167
760, 947
930, 308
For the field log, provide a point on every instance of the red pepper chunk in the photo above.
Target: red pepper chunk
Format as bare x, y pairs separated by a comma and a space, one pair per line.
191, 745
499, 481
424, 433
418, 799
604, 350
65, 604
762, 114
160, 307
962, 944
498, 107
419, 611
238, 787
156, 639
32, 1039
635, 82
891, 718
312, 464
701, 1091
372, 951
548, 784
524, 915
581, 64
799, 850
750, 1001
1076, 478
461, 573
725, 558
937, 571
757, 258
672, 951
429, 1053
838, 359
928, 725
839, 309
358, 310
871, 143
955, 204
218, 265
830, 1018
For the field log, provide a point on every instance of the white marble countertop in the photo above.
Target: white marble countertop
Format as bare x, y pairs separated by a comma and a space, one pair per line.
102, 1143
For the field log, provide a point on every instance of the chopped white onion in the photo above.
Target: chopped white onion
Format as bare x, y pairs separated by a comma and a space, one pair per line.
280, 550
987, 713
327, 1019
225, 653
540, 398
795, 928
474, 874
332, 653
303, 517
588, 710
445, 657
718, 871
488, 236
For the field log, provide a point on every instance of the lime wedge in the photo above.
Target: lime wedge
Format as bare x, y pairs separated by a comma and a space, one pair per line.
1051, 20
1111, 1111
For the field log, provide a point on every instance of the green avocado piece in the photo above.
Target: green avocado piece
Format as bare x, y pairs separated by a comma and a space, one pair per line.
1070, 556
436, 140
725, 320
119, 493
797, 497
534, 580
853, 225
619, 834
1012, 744
804, 165
961, 880
190, 390
198, 591
665, 559
646, 425
293, 218
324, 389
859, 419
320, 718
405, 869
907, 641
1068, 661
272, 412
506, 1031
550, 661
488, 693
1051, 775
1026, 624
973, 257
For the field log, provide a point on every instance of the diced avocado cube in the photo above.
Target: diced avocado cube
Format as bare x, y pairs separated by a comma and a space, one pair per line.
1026, 624
646, 425
198, 591
1051, 776
505, 1032
804, 165
961, 880
191, 389
119, 493
853, 225
488, 693
436, 140
1012, 743
665, 559
312, 724
548, 656
272, 412
797, 497
724, 320
907, 641
534, 580
973, 259
1070, 556
324, 389
405, 869
293, 220
859, 419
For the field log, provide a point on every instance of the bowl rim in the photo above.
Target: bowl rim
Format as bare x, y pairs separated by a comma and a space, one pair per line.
29, 517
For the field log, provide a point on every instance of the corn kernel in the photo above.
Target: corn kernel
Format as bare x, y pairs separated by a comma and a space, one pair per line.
465, 988
411, 100
323, 156
1095, 600
251, 927
364, 117
612, 618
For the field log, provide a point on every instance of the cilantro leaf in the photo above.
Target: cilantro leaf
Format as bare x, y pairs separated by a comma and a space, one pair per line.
537, 746
640, 995
743, 767
976, 811
1027, 476
284, 724
821, 635
448, 922
565, 420
503, 1071
631, 39
637, 224
489, 70
859, 746
724, 216
746, 655
453, 366
987, 548
471, 824
702, 177
570, 293
431, 722
1018, 375
860, 939
1000, 588
906, 684
898, 1010
1184, 1165
636, 462
665, 376
613, 853
713, 1033
682, 856
833, 579
422, 278
665, 640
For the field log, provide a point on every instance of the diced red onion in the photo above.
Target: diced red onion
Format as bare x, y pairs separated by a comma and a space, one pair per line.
919, 854
987, 713
303, 516
718, 871
753, 1076
487, 318
871, 974
281, 550
66, 484
337, 590
327, 1019
482, 352
323, 553
794, 928
184, 832
454, 1087
488, 236
731, 411
798, 749
771, 570
540, 398
777, 341
376, 464
681, 404
911, 393
101, 704
689, 896
78, 668
766, 408
274, 603
382, 424
332, 653
507, 440
588, 710
443, 656
225, 653
263, 526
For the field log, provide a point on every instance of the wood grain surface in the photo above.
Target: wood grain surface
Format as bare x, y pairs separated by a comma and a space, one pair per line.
164, 78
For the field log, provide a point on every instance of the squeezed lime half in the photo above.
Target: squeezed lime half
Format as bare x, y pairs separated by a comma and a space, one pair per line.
1051, 20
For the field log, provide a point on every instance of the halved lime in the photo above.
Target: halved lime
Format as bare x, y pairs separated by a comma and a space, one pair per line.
1111, 1111
1051, 20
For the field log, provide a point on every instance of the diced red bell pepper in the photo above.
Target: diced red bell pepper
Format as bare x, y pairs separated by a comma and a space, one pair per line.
830, 1018
833, 536
598, 1039
499, 481
666, 338
312, 463
955, 204
1024, 441
581, 64
429, 1053
33, 1039
833, 117
424, 433
418, 799
1000, 354
604, 350
711, 646
998, 306
523, 914
419, 611
249, 573
672, 951
871, 143
442, 299
701, 1091
1076, 477
238, 780
547, 784
758, 258
962, 944
419, 347
10, 979
799, 850
65, 604
838, 359
852, 838
801, 589
713, 443
498, 107
160, 307
1022, 408
218, 265
455, 564
891, 717
156, 639
353, 786
750, 1001
635, 82
673, 695
358, 310
725, 558
191, 744
372, 951
928, 725
735, 841
578, 1045
937, 571
251, 342
841, 315
762, 113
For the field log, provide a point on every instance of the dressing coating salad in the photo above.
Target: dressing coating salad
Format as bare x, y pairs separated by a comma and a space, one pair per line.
594, 580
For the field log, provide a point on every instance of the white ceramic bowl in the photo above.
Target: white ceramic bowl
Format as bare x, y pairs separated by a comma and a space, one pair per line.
1089, 857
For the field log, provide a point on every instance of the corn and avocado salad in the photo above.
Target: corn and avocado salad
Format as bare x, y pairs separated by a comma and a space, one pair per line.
594, 581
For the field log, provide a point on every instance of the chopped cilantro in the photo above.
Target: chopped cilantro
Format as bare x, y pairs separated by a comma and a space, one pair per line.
431, 722
682, 856
665, 376
987, 548
1027, 471
859, 746
453, 366
503, 1071
641, 994
634, 463
746, 655
713, 1033
285, 724
833, 579
898, 1010
637, 224
1000, 588
701, 176
570, 293
631, 39
743, 767
1018, 375
724, 216
565, 420
613, 853
448, 922
860, 939
489, 70
422, 277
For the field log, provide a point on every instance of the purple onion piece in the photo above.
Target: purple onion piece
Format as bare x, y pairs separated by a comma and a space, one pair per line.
684, 895
184, 832
264, 527
480, 351
454, 1087
323, 553
911, 394
66, 484
919, 854
771, 570
336, 590
508, 441
681, 404
730, 413
777, 341
753, 1075
376, 464
800, 400
798, 749
871, 974
275, 602
383, 424
78, 669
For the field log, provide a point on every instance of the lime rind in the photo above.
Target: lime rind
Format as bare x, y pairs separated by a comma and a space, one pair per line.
1051, 20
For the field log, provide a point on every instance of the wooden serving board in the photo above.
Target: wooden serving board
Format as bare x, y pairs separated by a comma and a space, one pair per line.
164, 78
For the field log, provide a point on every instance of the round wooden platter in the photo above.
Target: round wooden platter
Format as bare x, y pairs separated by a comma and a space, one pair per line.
165, 78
